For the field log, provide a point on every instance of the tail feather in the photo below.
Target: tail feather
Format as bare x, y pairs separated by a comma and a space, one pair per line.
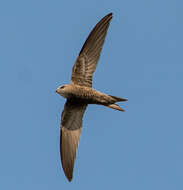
116, 107
118, 99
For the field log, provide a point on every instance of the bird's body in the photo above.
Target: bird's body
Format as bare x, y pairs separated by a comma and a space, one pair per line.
80, 93
88, 95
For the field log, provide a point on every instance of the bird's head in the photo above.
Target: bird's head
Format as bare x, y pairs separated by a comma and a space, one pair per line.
63, 90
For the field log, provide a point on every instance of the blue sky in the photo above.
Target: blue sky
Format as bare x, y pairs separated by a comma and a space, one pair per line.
140, 149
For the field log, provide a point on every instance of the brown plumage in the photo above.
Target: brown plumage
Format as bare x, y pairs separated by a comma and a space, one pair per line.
80, 93
89, 55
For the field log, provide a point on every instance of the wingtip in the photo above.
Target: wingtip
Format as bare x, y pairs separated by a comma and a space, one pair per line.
110, 15
69, 178
68, 175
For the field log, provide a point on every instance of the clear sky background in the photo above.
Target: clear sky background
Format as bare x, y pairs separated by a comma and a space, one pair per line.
141, 149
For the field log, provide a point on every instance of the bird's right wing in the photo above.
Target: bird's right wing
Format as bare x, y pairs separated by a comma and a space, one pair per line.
89, 55
71, 127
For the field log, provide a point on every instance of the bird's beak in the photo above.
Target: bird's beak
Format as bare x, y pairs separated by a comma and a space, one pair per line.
58, 90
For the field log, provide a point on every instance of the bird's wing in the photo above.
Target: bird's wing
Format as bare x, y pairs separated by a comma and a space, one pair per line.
86, 63
71, 127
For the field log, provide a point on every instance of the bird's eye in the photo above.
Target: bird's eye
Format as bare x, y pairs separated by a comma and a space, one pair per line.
62, 87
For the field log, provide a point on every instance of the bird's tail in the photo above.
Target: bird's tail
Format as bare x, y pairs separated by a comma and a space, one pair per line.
116, 106
118, 99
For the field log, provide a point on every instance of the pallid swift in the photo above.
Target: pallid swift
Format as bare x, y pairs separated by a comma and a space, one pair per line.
80, 93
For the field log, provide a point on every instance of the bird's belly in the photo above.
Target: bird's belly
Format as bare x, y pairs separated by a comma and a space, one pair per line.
87, 96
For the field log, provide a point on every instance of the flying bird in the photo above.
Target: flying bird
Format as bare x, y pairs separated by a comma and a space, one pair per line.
79, 93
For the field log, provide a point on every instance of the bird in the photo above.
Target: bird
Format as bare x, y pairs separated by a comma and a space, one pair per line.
79, 93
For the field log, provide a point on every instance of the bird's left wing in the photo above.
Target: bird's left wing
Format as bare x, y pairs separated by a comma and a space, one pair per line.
86, 63
71, 127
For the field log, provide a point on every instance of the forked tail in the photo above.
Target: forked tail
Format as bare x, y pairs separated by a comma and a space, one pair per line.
116, 106
118, 99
